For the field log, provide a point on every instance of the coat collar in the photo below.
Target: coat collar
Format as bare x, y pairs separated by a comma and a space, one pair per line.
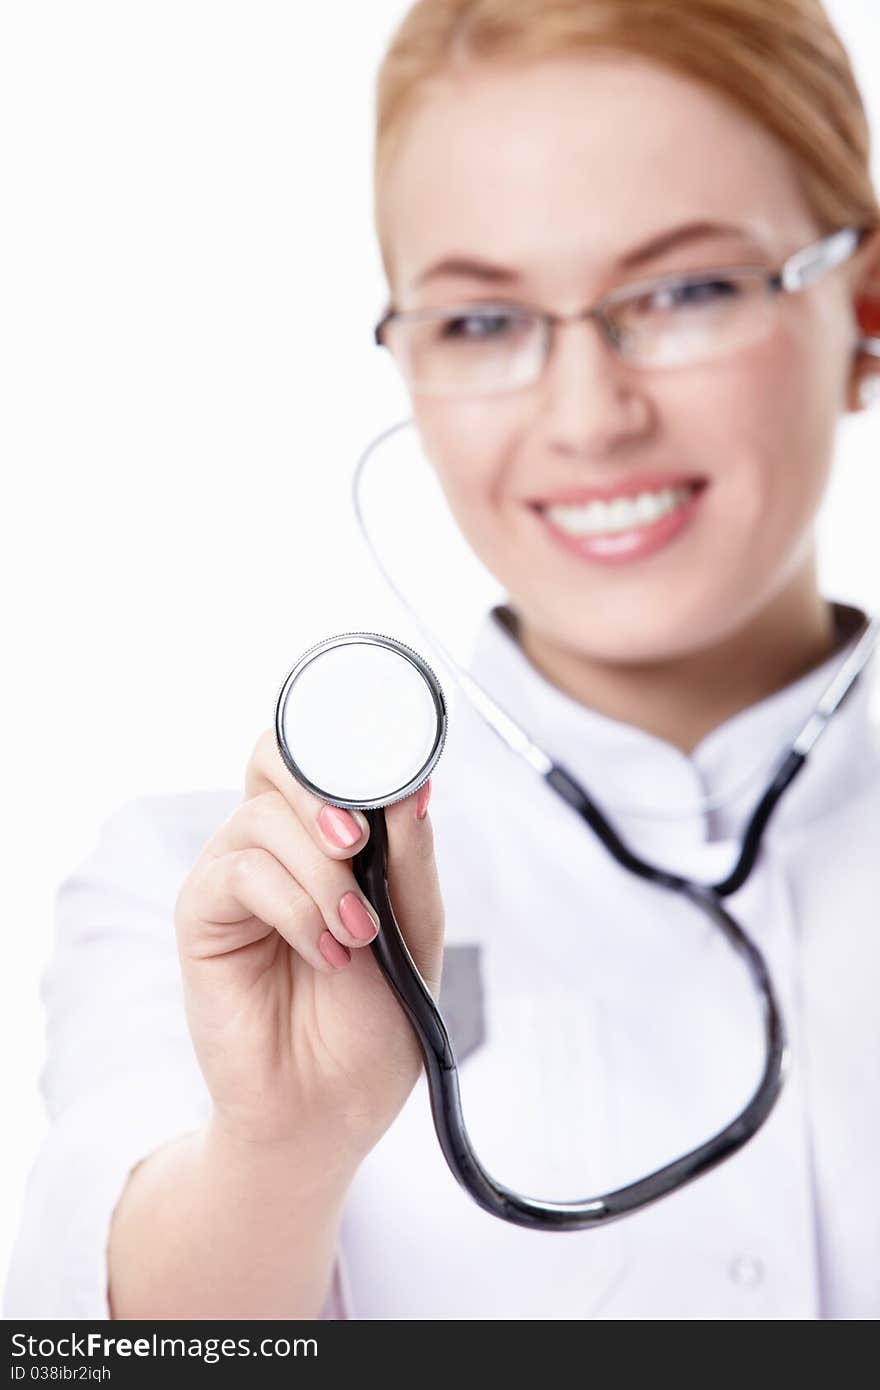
630, 771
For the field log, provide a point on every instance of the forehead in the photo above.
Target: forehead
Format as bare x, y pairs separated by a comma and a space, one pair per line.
563, 163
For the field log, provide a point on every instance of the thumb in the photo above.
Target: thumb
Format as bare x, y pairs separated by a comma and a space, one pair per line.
414, 884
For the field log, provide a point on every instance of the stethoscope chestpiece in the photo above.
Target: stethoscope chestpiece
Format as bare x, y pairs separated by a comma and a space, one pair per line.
361, 720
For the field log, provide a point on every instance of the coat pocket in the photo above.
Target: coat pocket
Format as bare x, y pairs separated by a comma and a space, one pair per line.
462, 999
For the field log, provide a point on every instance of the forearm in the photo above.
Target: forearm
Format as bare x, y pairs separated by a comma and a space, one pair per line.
211, 1227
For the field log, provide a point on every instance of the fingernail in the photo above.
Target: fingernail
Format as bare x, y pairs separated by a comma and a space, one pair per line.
422, 800
333, 951
339, 827
356, 918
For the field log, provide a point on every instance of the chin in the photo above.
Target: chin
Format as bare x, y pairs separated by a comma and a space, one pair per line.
642, 629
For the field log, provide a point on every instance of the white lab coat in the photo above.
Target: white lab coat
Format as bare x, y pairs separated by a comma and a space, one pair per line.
601, 1027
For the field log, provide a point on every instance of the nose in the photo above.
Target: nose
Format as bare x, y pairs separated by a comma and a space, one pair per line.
592, 399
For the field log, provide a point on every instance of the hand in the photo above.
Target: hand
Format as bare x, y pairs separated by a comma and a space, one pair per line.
295, 1028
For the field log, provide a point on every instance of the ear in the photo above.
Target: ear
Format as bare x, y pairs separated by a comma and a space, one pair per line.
864, 384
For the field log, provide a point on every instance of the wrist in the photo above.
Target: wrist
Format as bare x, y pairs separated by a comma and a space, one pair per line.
314, 1162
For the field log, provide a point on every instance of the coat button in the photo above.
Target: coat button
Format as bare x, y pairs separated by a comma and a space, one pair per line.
747, 1271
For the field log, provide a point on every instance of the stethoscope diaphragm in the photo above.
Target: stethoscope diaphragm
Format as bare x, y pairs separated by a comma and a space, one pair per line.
361, 720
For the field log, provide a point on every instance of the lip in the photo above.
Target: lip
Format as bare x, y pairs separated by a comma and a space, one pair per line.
621, 547
624, 487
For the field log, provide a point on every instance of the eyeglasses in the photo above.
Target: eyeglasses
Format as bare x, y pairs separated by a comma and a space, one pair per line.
671, 321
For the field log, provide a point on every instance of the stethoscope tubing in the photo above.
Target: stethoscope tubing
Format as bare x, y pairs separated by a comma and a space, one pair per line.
394, 960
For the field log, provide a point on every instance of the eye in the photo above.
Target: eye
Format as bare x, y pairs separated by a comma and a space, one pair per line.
684, 294
477, 327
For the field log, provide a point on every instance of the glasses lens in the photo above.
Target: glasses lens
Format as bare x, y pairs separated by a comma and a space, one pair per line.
693, 319
472, 350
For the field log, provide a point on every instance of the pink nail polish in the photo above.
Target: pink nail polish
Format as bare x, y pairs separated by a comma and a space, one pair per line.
355, 917
422, 800
339, 827
333, 951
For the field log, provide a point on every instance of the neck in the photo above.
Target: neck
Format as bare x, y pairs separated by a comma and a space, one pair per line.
682, 699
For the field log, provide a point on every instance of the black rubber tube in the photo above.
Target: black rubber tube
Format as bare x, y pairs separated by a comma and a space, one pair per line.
389, 948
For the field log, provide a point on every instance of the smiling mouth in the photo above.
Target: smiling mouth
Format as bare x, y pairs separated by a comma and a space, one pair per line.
622, 530
618, 515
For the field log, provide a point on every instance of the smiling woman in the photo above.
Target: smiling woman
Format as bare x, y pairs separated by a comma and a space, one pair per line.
501, 135
633, 259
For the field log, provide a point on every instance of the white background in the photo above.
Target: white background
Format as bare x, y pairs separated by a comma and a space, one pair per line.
189, 281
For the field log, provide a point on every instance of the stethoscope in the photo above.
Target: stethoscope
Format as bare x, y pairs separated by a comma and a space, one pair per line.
368, 752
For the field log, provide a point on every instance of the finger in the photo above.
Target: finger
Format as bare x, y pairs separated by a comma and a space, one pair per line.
250, 886
335, 830
414, 887
268, 820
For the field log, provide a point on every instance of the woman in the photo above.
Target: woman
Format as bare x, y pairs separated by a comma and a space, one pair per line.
261, 1145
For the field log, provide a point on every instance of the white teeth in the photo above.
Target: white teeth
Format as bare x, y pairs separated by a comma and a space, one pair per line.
624, 513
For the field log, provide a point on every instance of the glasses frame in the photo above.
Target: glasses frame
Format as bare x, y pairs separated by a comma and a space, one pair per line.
800, 270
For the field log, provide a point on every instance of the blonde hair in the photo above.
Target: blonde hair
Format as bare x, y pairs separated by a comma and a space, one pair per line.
782, 60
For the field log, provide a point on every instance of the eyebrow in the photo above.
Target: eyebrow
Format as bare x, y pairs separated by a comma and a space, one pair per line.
688, 232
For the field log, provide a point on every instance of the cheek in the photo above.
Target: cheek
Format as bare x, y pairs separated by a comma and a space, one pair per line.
767, 438
798, 395
468, 444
